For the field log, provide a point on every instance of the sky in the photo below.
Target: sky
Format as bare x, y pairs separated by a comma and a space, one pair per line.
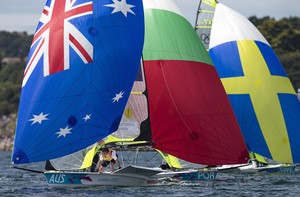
23, 15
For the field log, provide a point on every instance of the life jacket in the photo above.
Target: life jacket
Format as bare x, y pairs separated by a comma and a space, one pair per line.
107, 157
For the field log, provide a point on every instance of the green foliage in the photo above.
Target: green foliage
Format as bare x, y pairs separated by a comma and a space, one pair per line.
291, 63
14, 44
284, 37
10, 85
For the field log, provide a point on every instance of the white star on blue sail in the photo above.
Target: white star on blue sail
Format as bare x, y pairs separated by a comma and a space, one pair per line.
87, 117
121, 6
118, 97
64, 132
38, 118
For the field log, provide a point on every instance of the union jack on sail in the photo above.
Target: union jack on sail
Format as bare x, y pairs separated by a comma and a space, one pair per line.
54, 37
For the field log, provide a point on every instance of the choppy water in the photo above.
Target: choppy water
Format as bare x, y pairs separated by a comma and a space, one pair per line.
15, 182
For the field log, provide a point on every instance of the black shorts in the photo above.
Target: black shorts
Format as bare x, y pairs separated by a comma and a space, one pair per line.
105, 163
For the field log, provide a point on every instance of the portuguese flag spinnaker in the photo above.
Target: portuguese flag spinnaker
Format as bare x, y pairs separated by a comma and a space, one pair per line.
190, 114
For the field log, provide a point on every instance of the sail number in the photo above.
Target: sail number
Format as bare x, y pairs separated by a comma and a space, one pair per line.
207, 21
57, 178
207, 175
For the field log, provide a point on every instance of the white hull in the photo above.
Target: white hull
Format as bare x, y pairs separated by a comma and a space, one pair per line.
235, 168
281, 168
253, 168
128, 176
188, 175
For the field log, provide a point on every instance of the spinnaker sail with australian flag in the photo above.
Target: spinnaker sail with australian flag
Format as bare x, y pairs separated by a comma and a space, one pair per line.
79, 74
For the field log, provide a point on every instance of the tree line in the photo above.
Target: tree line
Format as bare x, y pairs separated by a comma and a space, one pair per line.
283, 35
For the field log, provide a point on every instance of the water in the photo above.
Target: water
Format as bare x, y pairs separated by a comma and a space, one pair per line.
15, 182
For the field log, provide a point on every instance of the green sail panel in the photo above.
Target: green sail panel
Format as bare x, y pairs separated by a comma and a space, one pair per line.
169, 45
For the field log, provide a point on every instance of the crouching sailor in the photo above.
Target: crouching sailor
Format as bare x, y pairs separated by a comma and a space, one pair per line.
108, 156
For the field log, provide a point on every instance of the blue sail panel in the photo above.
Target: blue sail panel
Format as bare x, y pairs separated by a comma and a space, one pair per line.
272, 61
78, 77
227, 67
249, 124
291, 110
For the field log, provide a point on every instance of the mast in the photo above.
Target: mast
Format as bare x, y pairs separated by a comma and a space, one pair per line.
204, 19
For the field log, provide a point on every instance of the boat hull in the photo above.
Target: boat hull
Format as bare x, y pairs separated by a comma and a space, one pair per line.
271, 168
235, 168
128, 176
189, 175
73, 179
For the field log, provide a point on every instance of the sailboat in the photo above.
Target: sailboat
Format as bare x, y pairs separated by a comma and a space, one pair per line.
259, 90
79, 74
183, 119
189, 109
76, 87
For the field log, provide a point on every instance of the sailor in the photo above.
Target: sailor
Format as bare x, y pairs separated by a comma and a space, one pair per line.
165, 166
108, 156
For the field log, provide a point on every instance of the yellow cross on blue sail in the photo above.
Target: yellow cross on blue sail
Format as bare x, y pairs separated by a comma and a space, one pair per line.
260, 92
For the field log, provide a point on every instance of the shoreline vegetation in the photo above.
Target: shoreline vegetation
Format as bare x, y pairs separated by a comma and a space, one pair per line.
7, 127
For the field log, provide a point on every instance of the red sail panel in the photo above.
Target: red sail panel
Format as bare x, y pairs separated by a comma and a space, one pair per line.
190, 114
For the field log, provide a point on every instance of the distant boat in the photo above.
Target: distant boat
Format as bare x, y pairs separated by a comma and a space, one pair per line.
259, 90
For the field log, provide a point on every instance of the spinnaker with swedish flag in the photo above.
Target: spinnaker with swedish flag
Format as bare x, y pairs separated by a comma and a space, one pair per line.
258, 87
